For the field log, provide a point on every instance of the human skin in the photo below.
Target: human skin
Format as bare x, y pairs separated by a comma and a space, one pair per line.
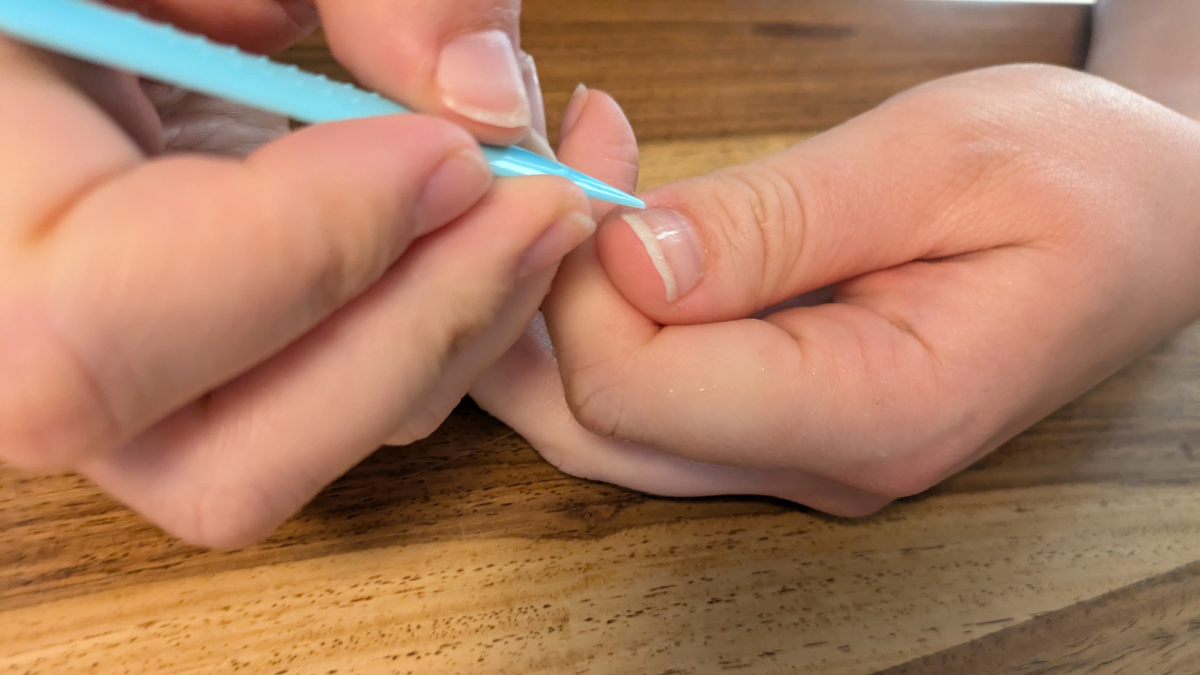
215, 369
968, 257
213, 318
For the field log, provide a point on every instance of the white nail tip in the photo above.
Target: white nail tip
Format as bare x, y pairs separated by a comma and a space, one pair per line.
537, 143
584, 223
657, 255
518, 119
481, 79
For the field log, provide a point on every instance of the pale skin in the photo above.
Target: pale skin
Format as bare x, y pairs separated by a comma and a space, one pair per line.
980, 250
215, 362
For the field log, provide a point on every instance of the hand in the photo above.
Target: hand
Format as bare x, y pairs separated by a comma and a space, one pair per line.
213, 339
987, 246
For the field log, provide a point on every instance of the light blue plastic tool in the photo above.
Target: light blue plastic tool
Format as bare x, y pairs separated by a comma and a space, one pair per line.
123, 40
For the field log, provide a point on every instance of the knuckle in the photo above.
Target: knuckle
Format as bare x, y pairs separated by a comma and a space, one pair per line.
299, 247
565, 458
330, 245
904, 474
594, 399
336, 275
1004, 129
334, 266
53, 410
418, 426
468, 330
456, 335
225, 516
764, 220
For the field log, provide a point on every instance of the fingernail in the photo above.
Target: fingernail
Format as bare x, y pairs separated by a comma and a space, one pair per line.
574, 110
555, 243
480, 79
671, 242
453, 188
533, 89
537, 143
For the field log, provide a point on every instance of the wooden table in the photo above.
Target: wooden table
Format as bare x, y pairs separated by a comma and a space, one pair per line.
1073, 549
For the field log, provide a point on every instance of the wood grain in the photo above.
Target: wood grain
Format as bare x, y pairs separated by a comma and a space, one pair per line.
1150, 627
668, 161
782, 592
1073, 549
467, 552
690, 68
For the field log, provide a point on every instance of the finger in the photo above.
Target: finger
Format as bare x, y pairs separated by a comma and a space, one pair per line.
264, 26
914, 179
606, 145
458, 59
227, 470
525, 391
596, 134
480, 352
126, 314
596, 138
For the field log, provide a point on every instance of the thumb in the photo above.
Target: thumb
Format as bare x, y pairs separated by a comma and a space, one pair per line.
887, 188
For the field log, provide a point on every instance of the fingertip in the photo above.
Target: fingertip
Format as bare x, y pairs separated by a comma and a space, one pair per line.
53, 412
519, 228
599, 140
229, 525
234, 536
204, 491
440, 58
656, 259
724, 246
554, 244
574, 109
461, 179
480, 78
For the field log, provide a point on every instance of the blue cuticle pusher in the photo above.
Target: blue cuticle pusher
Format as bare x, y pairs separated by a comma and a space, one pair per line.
125, 41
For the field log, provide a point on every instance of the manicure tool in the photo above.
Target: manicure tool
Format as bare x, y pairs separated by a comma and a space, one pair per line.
126, 41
